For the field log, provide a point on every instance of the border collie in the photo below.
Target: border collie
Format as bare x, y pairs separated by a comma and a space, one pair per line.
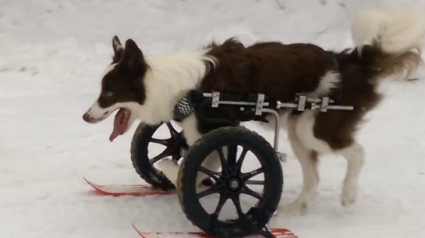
386, 45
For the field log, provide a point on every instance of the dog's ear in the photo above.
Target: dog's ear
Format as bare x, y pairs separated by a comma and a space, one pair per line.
133, 56
118, 49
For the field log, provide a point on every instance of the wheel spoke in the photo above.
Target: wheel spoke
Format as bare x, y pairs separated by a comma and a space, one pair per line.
209, 191
160, 141
250, 192
238, 207
251, 174
220, 204
162, 155
224, 165
206, 171
240, 160
173, 132
255, 182
232, 150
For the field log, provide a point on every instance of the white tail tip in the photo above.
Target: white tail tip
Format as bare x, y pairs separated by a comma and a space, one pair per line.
396, 31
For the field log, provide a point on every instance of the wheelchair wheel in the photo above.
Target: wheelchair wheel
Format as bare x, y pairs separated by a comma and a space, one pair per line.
143, 140
233, 146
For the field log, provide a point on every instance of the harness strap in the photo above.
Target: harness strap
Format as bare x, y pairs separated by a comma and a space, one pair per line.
184, 107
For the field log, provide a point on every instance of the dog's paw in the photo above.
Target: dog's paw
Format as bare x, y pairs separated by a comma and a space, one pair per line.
314, 195
297, 208
170, 169
349, 194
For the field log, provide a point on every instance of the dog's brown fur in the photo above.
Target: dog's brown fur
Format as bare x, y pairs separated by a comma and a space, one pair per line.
277, 70
281, 71
131, 67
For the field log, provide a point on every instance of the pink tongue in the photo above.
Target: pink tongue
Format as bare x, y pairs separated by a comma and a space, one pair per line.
120, 123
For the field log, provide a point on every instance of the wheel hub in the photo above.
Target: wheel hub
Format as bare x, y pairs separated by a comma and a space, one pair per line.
234, 184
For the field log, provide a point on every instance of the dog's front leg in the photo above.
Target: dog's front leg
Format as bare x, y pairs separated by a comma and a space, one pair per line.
192, 134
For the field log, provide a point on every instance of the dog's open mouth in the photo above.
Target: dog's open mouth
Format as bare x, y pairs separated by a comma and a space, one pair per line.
120, 123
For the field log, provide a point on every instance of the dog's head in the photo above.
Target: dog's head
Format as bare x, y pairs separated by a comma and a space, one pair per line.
122, 88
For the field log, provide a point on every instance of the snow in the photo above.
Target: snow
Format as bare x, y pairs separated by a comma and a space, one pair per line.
53, 53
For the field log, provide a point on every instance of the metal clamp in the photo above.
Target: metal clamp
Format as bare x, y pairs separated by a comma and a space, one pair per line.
324, 104
215, 99
260, 104
301, 103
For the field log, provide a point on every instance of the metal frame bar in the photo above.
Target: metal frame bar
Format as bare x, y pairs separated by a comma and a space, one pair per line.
321, 104
276, 126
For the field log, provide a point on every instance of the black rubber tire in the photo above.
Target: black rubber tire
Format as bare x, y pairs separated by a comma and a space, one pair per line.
259, 215
141, 161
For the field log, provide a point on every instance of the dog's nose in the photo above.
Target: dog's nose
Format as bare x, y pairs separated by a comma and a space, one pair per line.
87, 117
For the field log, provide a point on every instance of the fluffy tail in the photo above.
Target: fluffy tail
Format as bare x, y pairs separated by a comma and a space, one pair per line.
393, 37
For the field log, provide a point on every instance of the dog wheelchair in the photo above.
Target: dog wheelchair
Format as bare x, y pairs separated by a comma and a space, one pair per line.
231, 143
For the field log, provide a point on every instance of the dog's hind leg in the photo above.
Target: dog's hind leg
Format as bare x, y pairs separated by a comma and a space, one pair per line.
309, 165
355, 160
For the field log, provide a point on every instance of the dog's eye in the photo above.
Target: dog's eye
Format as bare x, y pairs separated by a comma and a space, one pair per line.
109, 93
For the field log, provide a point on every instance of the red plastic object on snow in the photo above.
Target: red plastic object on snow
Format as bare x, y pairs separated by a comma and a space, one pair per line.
131, 190
277, 232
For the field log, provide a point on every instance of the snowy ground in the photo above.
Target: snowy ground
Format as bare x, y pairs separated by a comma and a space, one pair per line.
53, 53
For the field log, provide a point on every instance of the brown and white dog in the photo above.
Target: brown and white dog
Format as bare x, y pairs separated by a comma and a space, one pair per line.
147, 88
